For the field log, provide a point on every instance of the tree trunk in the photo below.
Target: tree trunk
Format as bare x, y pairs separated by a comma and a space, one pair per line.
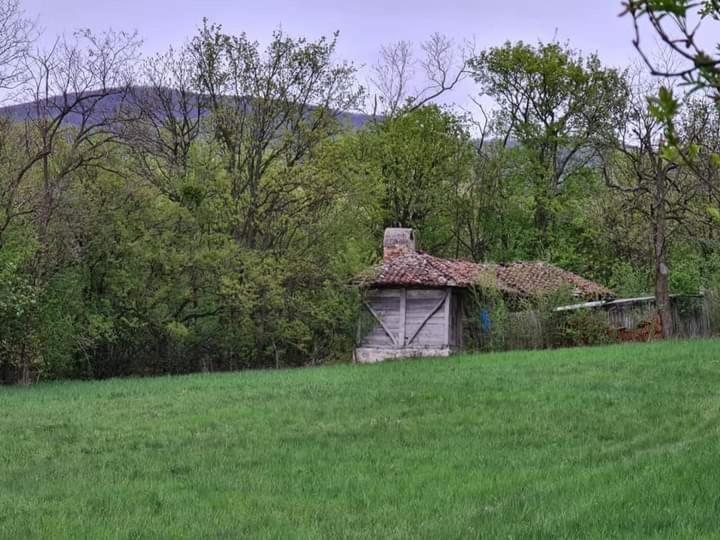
662, 287
542, 223
662, 297
24, 378
544, 217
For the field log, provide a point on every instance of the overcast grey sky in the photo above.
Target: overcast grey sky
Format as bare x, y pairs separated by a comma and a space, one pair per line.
589, 25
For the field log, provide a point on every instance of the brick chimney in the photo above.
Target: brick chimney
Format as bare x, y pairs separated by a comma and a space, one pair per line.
398, 242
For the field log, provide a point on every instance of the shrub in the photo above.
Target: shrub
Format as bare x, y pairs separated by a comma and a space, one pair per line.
581, 327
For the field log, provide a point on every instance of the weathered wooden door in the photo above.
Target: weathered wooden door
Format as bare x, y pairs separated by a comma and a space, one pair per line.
408, 318
426, 317
387, 308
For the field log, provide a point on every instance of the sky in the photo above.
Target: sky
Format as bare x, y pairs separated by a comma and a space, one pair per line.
589, 25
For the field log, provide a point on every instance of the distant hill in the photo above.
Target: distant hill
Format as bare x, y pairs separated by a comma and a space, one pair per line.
22, 111
586, 156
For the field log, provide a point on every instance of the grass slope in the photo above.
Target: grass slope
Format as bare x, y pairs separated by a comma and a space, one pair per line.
619, 441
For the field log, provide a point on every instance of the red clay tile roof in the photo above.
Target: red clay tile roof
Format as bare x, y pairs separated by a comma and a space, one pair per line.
423, 270
535, 278
523, 278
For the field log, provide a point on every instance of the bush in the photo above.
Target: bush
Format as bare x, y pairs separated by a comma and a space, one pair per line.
581, 327
494, 323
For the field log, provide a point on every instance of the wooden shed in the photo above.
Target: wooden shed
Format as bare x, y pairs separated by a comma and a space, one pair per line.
414, 301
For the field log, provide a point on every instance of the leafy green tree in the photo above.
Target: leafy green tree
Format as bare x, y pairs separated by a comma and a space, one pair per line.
555, 103
658, 185
44, 155
422, 158
270, 110
491, 210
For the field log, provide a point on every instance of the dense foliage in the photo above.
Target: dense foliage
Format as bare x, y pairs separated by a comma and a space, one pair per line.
206, 209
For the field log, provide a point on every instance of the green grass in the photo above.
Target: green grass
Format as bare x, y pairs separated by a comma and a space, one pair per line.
620, 441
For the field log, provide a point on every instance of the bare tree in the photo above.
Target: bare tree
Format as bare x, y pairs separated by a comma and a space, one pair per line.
164, 114
16, 37
76, 89
393, 74
442, 66
678, 24
17, 34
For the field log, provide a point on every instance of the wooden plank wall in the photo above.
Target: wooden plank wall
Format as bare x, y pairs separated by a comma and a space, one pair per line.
456, 319
691, 316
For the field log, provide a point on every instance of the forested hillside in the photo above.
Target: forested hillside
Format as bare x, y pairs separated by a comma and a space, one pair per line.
206, 208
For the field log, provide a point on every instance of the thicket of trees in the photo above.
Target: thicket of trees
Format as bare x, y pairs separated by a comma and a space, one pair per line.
206, 209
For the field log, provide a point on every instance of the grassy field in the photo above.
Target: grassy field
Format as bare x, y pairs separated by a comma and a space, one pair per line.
620, 441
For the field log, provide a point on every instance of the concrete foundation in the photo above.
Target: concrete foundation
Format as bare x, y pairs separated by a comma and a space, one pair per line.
370, 355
